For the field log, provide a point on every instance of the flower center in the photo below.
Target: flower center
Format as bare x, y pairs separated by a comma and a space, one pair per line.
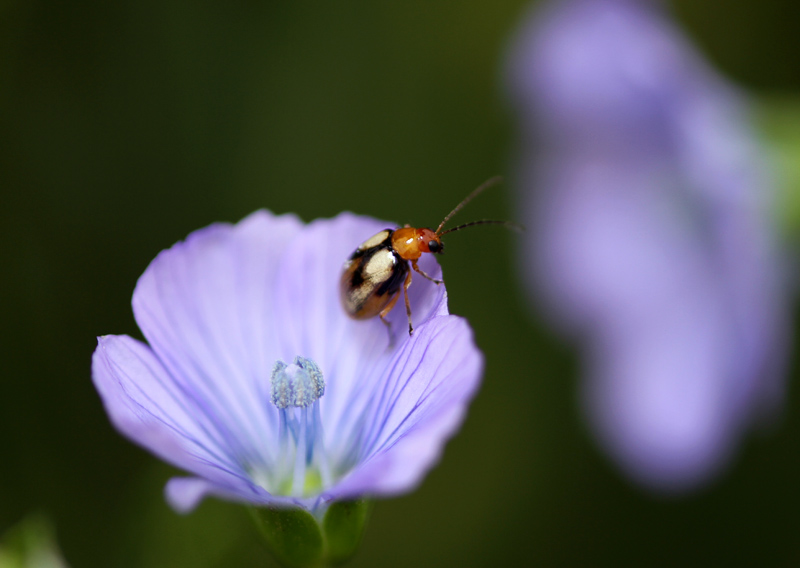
301, 469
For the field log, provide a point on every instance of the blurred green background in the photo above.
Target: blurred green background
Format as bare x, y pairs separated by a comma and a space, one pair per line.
126, 125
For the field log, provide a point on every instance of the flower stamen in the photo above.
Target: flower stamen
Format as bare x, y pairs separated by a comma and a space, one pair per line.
301, 468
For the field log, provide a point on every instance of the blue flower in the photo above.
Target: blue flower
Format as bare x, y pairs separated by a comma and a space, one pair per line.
255, 381
652, 241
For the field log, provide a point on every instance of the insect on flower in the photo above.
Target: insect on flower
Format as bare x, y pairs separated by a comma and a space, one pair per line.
372, 276
255, 383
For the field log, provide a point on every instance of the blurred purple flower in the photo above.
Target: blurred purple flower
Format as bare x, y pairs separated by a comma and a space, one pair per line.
652, 241
257, 383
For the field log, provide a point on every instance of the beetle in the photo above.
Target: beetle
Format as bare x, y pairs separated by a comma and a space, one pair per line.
379, 267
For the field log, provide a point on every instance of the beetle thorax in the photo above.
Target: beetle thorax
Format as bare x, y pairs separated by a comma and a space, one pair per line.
410, 243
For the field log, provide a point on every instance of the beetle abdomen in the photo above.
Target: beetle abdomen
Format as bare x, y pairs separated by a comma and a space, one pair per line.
372, 277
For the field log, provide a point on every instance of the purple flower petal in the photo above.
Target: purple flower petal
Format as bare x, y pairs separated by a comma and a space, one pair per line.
232, 306
651, 238
149, 407
422, 400
204, 308
185, 493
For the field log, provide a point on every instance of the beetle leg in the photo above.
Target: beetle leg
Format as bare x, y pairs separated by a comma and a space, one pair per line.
408, 305
418, 269
385, 311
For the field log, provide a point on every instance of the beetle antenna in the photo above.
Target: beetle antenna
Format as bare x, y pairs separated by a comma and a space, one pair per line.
485, 185
509, 224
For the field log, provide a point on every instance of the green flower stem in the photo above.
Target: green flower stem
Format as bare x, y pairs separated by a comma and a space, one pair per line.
298, 540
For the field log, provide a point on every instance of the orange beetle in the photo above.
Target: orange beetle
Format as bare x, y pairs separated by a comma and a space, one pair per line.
372, 276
